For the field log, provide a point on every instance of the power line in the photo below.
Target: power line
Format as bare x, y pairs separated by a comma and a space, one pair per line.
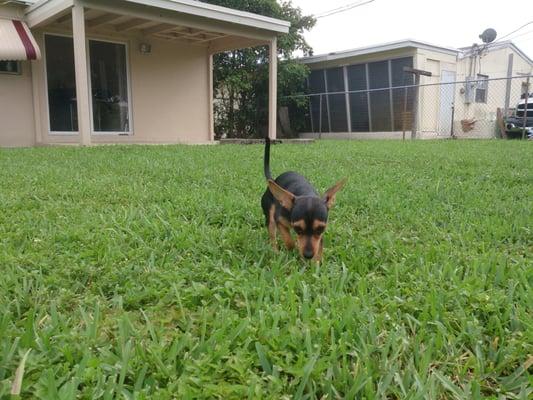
522, 34
498, 41
344, 8
516, 30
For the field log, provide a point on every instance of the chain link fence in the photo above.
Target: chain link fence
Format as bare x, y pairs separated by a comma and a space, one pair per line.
475, 108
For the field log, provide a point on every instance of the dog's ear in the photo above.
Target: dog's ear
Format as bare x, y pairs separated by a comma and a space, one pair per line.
329, 197
284, 197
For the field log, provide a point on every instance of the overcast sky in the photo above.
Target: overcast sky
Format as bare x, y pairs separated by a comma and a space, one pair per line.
455, 23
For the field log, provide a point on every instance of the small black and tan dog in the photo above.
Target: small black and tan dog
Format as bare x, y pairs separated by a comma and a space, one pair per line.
291, 202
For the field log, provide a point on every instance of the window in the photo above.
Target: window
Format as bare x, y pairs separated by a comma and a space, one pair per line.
10, 67
109, 86
481, 88
61, 81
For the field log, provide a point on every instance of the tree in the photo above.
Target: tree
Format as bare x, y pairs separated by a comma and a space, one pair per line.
241, 76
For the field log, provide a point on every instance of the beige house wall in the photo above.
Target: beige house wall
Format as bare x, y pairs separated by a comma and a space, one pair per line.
17, 126
430, 98
169, 96
494, 65
169, 93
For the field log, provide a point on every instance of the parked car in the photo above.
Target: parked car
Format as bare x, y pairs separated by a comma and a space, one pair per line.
514, 123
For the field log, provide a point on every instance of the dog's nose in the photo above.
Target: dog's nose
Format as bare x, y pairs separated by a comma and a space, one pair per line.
308, 254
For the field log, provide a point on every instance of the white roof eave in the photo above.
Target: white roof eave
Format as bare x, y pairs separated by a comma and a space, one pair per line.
25, 2
377, 49
466, 51
205, 10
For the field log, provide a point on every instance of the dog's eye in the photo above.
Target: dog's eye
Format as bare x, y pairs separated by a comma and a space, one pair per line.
319, 231
298, 230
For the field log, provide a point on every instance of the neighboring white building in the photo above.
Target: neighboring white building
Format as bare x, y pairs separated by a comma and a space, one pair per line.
378, 108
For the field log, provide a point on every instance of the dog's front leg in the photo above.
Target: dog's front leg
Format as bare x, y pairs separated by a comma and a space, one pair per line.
286, 236
272, 228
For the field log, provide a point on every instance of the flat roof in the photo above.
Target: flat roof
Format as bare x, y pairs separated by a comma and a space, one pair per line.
400, 44
200, 9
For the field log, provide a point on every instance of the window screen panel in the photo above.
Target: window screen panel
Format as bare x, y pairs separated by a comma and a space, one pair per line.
399, 76
357, 77
317, 84
402, 98
403, 101
335, 80
316, 81
380, 104
337, 102
337, 113
378, 75
358, 101
320, 124
359, 112
380, 110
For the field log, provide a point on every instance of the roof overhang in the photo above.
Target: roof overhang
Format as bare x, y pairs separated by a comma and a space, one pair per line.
205, 10
363, 51
45, 10
23, 2
164, 10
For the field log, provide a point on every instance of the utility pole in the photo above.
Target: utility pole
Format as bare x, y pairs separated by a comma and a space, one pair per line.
416, 73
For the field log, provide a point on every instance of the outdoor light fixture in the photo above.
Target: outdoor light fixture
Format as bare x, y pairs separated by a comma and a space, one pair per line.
145, 48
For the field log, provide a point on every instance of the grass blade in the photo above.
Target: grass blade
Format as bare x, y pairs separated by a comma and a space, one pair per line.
19, 375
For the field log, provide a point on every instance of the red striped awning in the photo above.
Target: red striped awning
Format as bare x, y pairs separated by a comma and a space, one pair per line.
16, 42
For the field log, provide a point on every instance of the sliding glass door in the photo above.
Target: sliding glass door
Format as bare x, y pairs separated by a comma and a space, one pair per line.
110, 99
109, 87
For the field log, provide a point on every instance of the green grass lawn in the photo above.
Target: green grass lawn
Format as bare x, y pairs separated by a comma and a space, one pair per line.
146, 273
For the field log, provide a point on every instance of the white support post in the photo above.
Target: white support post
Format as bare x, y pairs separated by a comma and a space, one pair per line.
273, 90
82, 78
35, 65
210, 98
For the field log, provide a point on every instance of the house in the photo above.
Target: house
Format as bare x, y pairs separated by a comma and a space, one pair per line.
365, 93
122, 71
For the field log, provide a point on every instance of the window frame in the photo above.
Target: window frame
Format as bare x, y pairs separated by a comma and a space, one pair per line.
91, 112
483, 79
129, 132
17, 72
